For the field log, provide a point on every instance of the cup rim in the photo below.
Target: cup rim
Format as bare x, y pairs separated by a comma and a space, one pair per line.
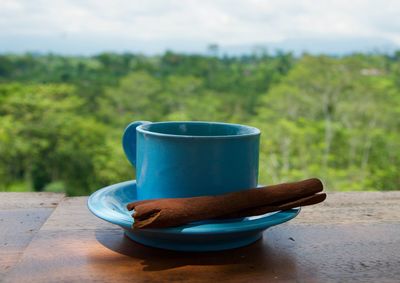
253, 131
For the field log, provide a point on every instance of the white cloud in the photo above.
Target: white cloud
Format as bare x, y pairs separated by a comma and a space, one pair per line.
221, 21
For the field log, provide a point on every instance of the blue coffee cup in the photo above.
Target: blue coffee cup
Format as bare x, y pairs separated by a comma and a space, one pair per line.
187, 159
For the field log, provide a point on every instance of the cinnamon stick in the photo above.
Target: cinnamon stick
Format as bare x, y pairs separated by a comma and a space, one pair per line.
178, 211
314, 199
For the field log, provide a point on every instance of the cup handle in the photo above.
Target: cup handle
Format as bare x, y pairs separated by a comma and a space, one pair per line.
129, 140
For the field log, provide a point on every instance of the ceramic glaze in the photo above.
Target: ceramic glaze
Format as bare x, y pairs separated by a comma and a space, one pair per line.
186, 159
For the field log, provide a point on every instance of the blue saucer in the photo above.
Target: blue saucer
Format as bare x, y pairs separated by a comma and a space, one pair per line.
109, 204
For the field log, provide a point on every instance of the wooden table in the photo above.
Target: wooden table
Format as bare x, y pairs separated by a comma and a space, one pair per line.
352, 237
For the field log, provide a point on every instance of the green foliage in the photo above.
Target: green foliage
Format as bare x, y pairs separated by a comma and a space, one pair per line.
44, 139
137, 97
61, 118
336, 118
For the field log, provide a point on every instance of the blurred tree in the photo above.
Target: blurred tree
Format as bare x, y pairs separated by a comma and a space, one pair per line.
327, 117
43, 138
137, 97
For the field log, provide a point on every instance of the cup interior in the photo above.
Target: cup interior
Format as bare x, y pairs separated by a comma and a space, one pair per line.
199, 129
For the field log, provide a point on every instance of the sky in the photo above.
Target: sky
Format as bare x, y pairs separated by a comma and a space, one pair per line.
152, 26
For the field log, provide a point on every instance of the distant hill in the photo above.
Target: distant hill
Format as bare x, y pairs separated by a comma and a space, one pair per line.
75, 45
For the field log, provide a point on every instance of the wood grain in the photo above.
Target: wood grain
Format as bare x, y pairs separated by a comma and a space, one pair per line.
354, 207
354, 237
29, 200
72, 214
303, 253
19, 223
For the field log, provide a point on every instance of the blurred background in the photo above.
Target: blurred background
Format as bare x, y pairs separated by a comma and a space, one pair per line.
321, 79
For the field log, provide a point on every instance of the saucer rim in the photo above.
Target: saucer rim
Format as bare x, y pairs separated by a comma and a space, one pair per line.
262, 222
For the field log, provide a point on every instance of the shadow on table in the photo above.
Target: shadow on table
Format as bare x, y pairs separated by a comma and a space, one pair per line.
257, 257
